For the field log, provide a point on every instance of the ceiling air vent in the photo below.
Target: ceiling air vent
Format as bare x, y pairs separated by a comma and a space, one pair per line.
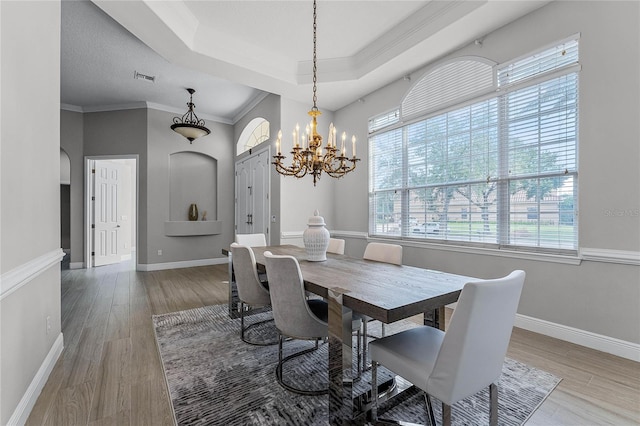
149, 78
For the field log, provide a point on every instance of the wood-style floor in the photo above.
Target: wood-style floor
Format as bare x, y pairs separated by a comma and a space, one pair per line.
110, 374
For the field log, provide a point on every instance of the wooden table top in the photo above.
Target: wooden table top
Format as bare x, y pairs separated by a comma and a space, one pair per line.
382, 291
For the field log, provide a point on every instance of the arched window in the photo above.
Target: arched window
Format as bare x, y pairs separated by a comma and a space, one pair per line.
254, 133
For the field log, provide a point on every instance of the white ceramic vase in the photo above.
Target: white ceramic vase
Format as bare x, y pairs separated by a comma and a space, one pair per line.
316, 238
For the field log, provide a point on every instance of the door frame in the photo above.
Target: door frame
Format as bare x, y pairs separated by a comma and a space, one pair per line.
88, 193
252, 154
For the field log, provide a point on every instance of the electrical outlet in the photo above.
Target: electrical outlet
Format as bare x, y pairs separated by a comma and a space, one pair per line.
48, 324
273, 218
159, 252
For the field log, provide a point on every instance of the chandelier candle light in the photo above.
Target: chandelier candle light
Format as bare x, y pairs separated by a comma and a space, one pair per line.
309, 156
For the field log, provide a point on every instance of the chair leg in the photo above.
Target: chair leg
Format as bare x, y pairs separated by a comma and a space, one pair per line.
282, 360
493, 404
242, 321
432, 417
364, 345
374, 391
446, 415
383, 331
358, 344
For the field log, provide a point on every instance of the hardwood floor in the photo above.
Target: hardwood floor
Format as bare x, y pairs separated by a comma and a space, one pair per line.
110, 374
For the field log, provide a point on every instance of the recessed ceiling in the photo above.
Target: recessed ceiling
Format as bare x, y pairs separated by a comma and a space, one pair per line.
233, 52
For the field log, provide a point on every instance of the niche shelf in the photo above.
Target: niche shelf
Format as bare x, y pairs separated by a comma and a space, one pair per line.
187, 228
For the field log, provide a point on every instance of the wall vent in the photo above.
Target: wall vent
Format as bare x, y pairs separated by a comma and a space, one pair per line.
149, 78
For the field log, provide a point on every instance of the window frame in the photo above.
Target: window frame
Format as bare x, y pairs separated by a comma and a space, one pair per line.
503, 239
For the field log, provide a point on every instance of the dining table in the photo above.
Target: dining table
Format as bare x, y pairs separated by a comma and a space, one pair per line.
381, 291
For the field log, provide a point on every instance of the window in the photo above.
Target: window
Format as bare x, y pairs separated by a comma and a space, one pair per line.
254, 133
494, 165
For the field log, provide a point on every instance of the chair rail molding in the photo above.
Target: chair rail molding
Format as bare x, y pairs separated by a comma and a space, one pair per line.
625, 257
12, 280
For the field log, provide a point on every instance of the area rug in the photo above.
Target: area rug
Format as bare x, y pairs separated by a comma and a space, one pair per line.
214, 378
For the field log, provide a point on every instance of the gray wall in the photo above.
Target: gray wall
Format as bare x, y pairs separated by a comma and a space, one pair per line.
71, 140
117, 133
162, 142
30, 191
598, 297
146, 132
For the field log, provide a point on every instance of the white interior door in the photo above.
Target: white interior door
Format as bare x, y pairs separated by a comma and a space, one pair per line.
252, 195
107, 180
260, 193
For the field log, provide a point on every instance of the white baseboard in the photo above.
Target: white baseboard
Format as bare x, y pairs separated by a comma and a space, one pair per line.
147, 267
28, 400
611, 345
76, 265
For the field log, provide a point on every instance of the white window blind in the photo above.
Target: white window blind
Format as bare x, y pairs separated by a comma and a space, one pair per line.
383, 120
556, 58
501, 171
452, 82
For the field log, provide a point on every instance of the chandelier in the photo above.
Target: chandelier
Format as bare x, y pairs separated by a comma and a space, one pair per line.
309, 156
189, 125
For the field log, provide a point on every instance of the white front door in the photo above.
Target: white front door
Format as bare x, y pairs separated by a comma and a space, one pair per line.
107, 180
252, 195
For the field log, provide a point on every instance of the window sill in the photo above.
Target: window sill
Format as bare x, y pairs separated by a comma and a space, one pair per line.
484, 251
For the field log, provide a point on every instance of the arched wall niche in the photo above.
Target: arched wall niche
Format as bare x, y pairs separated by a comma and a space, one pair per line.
65, 168
193, 179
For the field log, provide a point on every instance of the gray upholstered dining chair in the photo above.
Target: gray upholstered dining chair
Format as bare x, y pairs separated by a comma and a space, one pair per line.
379, 252
296, 316
252, 292
467, 358
253, 240
336, 245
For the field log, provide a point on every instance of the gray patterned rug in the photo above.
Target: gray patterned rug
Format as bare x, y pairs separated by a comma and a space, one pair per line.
216, 379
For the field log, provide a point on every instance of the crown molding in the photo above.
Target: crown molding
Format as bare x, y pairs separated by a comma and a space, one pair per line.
145, 105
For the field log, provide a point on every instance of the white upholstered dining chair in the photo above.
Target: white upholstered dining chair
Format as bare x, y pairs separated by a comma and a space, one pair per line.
336, 245
296, 316
461, 362
251, 240
385, 253
252, 292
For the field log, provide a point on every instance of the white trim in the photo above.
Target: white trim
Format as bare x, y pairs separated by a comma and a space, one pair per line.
140, 105
72, 108
28, 400
621, 348
625, 257
76, 265
249, 106
291, 235
181, 264
350, 234
17, 277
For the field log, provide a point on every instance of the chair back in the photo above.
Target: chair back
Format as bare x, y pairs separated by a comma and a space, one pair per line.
475, 344
250, 290
251, 240
291, 312
336, 245
383, 252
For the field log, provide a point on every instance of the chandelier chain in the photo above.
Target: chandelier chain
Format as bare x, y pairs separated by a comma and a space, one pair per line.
315, 64
309, 155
